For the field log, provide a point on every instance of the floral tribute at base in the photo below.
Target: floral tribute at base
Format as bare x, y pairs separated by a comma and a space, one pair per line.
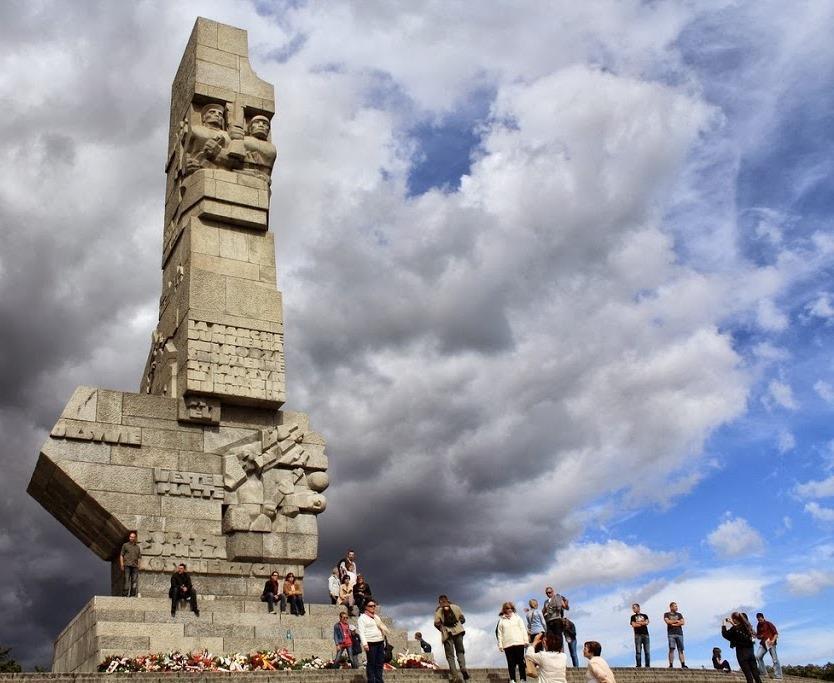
263, 660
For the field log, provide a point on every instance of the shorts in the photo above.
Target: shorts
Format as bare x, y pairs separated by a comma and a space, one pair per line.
676, 639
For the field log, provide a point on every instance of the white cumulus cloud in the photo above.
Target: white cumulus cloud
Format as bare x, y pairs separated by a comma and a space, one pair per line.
810, 582
734, 537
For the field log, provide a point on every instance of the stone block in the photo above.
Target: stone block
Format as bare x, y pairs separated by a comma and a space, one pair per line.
233, 40
251, 619
209, 463
212, 644
251, 85
216, 75
123, 642
233, 213
180, 440
245, 546
204, 33
208, 54
226, 266
252, 300
86, 451
130, 503
93, 477
153, 630
207, 290
194, 508
205, 239
82, 404
199, 627
267, 274
145, 457
147, 405
234, 244
262, 249
130, 615
239, 194
109, 406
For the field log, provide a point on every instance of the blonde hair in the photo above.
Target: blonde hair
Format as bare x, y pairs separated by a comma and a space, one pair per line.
506, 605
534, 604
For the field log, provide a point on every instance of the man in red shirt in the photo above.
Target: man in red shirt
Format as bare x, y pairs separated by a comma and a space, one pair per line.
768, 635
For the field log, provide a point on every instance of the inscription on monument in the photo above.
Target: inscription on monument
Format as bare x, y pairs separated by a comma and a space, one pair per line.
96, 431
224, 359
183, 545
192, 484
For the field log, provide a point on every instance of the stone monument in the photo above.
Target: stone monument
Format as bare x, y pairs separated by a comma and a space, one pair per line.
202, 462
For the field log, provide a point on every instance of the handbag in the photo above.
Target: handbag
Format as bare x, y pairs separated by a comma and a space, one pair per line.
532, 669
389, 652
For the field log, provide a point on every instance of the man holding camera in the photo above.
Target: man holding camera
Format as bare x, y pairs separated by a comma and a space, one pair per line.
449, 620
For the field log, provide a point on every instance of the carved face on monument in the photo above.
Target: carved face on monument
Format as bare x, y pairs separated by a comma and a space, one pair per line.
212, 116
259, 127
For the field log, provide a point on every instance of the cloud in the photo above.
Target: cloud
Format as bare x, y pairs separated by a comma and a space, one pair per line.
824, 390
781, 394
823, 488
819, 512
734, 537
810, 582
771, 318
787, 441
821, 307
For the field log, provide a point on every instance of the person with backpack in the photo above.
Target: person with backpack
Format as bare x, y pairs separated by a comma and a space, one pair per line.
449, 620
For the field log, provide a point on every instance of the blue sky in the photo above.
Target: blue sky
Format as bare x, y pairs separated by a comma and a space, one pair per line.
557, 285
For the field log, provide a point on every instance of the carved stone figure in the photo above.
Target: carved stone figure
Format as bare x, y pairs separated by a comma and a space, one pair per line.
207, 145
260, 153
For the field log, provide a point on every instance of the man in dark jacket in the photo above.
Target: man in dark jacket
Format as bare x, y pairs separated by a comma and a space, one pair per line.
181, 589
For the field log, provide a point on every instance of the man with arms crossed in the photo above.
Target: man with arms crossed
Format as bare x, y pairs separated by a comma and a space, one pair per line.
640, 624
674, 630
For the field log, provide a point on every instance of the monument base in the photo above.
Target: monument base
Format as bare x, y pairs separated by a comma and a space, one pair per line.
136, 626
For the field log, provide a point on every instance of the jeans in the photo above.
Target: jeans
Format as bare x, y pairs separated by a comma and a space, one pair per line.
777, 667
453, 646
376, 660
641, 644
270, 599
747, 663
131, 581
296, 605
572, 649
515, 659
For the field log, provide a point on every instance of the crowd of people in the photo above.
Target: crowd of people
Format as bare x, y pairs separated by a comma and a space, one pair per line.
532, 645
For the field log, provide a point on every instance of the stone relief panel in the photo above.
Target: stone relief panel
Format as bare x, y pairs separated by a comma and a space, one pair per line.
173, 543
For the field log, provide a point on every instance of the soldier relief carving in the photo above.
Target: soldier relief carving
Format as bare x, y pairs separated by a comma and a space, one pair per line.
272, 476
225, 139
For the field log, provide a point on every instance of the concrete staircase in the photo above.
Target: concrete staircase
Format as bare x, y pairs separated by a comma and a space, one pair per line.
136, 626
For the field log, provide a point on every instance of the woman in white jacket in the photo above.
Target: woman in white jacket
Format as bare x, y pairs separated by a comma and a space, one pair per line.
512, 640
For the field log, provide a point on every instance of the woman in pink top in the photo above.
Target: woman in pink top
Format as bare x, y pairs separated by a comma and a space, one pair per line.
598, 669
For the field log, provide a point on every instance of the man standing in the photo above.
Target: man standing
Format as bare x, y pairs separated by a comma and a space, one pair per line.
674, 630
768, 635
129, 563
554, 610
347, 566
570, 639
640, 624
181, 589
449, 620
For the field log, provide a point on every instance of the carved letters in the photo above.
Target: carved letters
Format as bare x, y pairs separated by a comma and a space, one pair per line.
192, 484
97, 431
225, 359
173, 543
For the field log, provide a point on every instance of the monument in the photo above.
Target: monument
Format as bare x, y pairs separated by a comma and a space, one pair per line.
202, 462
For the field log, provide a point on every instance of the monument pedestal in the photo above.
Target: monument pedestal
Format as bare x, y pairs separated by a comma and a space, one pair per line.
137, 626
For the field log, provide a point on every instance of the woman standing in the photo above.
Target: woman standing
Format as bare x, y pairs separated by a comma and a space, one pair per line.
372, 633
535, 623
292, 591
737, 629
512, 639
552, 662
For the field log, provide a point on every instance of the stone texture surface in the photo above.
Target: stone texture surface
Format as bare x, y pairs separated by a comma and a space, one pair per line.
201, 462
135, 626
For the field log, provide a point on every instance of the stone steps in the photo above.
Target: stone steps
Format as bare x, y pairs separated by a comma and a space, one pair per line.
623, 675
136, 626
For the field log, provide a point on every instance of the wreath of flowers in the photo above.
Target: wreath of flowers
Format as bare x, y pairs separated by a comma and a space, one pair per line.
262, 660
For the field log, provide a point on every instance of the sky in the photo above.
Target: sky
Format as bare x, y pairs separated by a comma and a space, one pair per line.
557, 291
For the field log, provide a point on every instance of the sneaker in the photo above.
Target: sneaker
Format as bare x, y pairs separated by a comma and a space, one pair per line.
684, 666
671, 666
173, 613
196, 613
465, 675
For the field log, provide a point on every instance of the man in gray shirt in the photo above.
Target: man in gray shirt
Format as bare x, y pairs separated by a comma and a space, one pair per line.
129, 563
